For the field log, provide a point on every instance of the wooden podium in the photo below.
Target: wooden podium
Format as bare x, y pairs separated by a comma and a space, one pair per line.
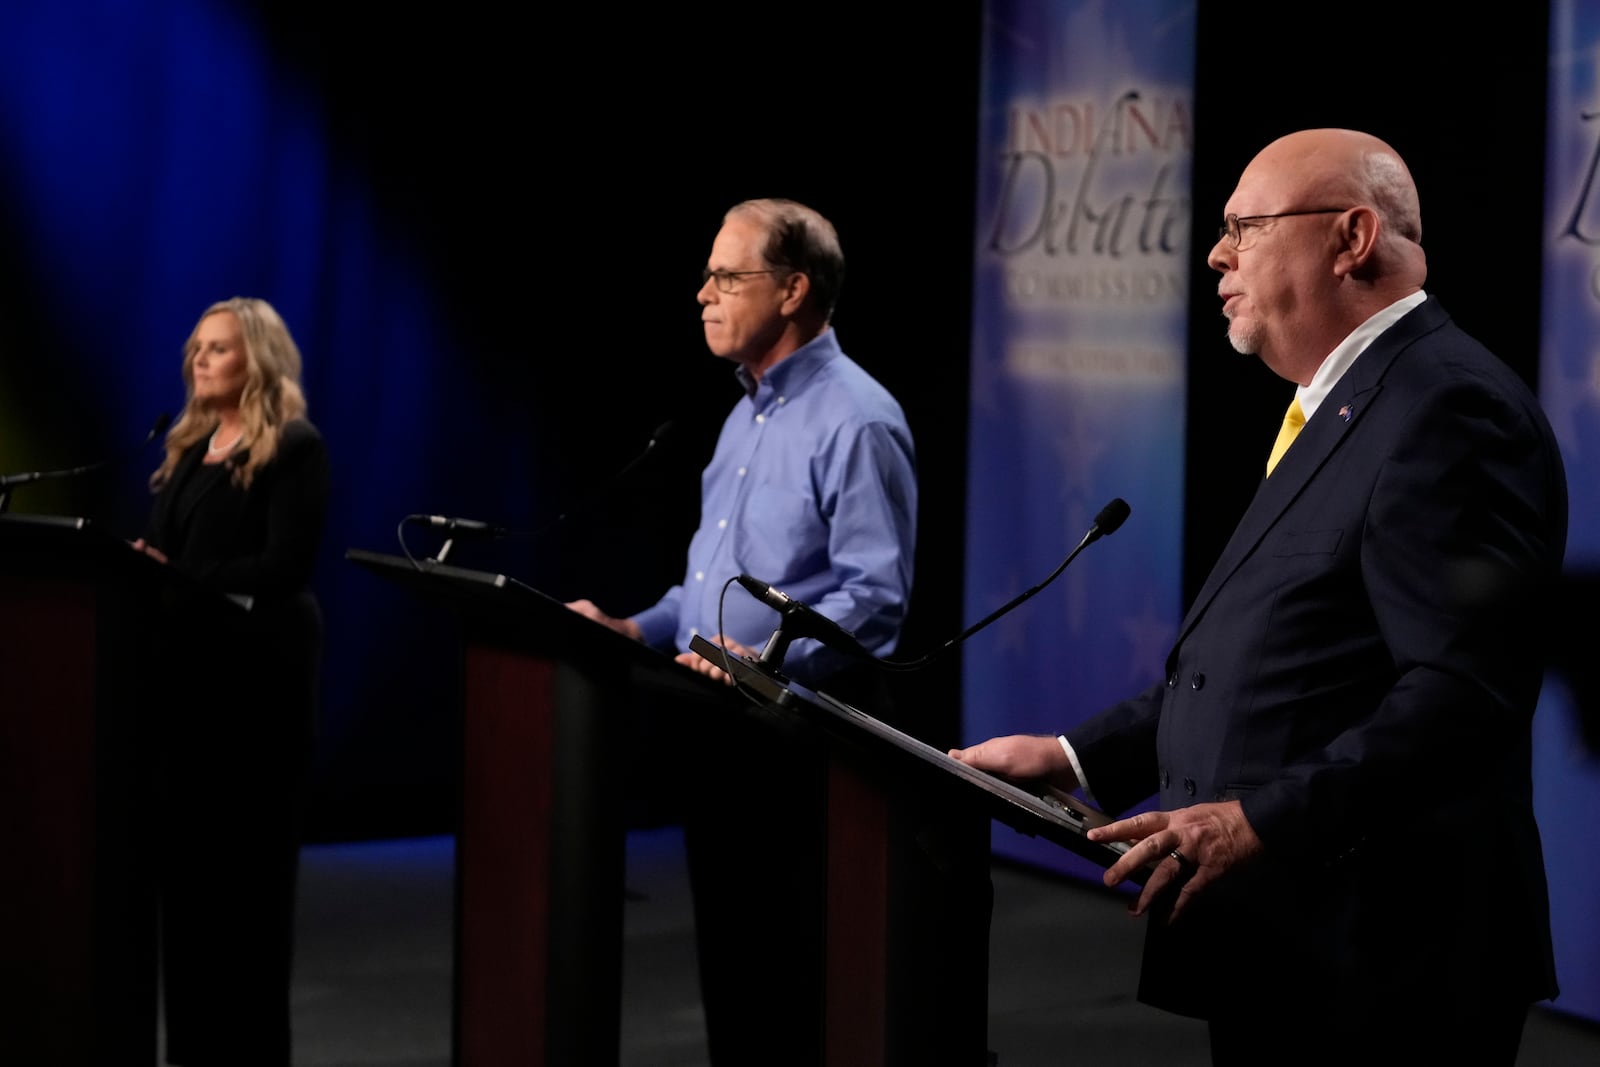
1058, 817
78, 611
542, 841
888, 794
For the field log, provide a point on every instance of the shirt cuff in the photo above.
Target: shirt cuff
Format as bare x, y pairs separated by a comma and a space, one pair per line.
657, 626
1077, 770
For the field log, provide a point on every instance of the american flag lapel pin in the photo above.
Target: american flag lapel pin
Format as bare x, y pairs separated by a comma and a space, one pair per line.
1345, 412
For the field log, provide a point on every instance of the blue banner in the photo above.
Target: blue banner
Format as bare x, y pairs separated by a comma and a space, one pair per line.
1566, 769
1080, 314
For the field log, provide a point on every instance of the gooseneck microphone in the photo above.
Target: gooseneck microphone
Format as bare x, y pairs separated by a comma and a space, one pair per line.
662, 434
468, 526
799, 620
10, 481
455, 526
1109, 519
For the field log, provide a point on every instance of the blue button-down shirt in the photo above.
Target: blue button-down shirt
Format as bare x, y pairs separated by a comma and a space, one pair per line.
812, 489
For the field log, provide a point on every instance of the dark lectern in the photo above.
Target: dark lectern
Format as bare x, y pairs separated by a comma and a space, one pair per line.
895, 804
77, 904
1057, 817
542, 839
546, 700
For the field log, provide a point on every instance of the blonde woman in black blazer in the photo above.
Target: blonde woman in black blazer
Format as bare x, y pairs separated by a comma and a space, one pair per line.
240, 499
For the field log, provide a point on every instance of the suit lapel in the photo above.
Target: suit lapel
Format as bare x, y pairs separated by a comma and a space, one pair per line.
1335, 420
184, 504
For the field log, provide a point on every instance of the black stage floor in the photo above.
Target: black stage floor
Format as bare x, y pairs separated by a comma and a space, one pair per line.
372, 984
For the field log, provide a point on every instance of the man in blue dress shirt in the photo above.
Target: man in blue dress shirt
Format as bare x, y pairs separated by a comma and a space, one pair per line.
812, 489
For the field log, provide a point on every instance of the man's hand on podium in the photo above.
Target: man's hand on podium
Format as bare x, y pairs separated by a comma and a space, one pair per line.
1021, 758
625, 627
710, 669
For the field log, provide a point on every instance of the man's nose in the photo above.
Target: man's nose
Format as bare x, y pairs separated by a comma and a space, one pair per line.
1222, 256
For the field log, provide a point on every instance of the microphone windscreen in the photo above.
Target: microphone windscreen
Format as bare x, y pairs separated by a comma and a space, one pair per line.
159, 427
663, 432
1112, 516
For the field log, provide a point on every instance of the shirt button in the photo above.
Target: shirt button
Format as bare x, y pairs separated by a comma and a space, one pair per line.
722, 524
761, 418
1198, 681
699, 576
741, 472
783, 400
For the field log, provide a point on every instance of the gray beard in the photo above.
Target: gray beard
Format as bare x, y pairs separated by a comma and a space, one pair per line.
1244, 342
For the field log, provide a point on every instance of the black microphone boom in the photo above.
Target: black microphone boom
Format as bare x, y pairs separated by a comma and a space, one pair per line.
802, 620
662, 434
1106, 522
454, 526
8, 481
468, 526
1109, 519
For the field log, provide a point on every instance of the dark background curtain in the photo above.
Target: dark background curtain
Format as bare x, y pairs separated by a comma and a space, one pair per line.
486, 230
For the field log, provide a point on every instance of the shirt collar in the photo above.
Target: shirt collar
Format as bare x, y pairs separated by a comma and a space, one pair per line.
787, 375
1342, 357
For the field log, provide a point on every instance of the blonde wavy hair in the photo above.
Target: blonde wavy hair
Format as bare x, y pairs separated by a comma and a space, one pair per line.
271, 396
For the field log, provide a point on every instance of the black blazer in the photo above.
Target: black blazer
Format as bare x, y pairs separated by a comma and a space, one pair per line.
261, 543
1360, 670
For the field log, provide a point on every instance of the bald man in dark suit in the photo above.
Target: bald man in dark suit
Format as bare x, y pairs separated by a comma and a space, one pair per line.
1346, 866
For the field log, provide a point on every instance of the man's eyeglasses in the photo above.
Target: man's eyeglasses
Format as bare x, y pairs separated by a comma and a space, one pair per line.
728, 280
1233, 225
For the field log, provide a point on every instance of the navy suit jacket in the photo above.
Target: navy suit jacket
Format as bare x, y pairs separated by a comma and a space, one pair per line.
1360, 670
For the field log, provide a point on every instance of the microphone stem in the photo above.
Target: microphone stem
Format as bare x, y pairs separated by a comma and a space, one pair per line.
923, 661
588, 500
1002, 609
777, 646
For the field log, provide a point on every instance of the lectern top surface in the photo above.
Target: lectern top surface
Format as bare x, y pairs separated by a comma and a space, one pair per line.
1057, 816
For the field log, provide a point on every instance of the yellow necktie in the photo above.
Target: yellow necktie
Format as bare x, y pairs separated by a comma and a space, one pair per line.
1293, 419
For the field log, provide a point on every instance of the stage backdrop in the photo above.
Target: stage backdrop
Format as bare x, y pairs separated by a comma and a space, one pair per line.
160, 156
1078, 362
1566, 767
